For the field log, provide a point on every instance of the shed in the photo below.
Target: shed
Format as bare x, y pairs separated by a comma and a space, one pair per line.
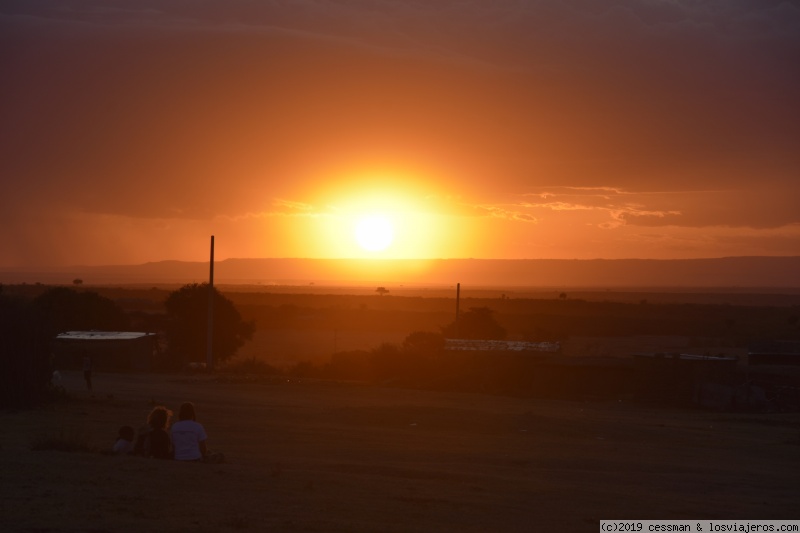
110, 350
472, 345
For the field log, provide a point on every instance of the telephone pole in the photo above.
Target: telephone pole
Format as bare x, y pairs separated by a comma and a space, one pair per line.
210, 339
458, 298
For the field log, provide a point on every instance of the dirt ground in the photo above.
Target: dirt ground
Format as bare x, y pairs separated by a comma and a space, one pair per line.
306, 456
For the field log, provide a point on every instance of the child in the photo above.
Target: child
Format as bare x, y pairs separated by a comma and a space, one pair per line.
124, 443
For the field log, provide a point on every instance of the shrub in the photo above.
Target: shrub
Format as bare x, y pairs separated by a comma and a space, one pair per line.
251, 366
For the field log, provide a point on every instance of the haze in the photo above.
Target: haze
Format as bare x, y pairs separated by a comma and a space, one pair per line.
130, 132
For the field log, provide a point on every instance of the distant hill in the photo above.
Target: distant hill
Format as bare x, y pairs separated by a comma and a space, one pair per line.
743, 272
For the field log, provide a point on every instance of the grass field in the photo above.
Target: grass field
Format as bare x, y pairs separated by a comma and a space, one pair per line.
287, 347
326, 456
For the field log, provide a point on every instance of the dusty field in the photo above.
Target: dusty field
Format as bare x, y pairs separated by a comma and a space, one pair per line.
343, 457
285, 348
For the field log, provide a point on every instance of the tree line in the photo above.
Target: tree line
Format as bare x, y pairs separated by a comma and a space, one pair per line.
28, 327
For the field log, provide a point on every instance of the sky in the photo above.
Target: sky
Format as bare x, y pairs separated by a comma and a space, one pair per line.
133, 130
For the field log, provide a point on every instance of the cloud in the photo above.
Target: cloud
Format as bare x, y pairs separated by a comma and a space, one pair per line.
759, 208
506, 213
640, 114
284, 206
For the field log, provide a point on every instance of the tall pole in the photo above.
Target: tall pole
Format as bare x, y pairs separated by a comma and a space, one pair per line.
458, 298
210, 340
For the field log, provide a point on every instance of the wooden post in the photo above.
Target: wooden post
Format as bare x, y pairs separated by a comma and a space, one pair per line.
210, 339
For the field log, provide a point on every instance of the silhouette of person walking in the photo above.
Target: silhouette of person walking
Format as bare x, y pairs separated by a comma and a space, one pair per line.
87, 371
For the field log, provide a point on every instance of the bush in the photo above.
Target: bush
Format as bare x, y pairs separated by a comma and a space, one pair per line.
251, 366
305, 369
349, 365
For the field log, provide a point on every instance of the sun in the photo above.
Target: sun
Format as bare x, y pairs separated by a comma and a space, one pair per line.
374, 233
380, 216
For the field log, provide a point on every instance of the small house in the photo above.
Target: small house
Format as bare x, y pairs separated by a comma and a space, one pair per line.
109, 350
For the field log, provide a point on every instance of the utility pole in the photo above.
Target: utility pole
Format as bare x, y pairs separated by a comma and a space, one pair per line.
458, 298
210, 339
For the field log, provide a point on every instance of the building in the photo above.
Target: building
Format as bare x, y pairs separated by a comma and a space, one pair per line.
109, 350
472, 345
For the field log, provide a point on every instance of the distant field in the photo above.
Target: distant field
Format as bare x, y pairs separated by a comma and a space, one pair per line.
285, 347
157, 292
702, 296
310, 323
558, 275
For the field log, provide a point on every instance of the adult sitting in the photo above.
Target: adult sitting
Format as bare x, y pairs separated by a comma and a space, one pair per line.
153, 439
189, 437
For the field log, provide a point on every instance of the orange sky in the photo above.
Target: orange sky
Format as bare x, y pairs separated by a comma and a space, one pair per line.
546, 129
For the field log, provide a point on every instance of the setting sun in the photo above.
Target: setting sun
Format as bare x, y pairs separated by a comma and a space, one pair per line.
380, 215
374, 232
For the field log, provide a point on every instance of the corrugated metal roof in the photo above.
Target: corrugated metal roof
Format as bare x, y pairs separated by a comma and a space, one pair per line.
103, 335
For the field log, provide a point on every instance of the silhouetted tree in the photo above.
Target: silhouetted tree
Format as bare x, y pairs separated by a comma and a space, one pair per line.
382, 290
63, 309
187, 326
477, 323
77, 281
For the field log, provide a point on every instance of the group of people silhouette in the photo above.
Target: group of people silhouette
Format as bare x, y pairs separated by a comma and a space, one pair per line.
185, 440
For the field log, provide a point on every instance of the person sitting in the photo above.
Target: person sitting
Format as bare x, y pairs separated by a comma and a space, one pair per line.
153, 439
189, 437
124, 442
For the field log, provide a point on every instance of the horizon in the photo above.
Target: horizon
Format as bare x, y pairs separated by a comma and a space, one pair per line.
731, 273
398, 130
393, 259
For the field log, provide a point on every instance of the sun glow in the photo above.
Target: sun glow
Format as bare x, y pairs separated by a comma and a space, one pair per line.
381, 216
374, 233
